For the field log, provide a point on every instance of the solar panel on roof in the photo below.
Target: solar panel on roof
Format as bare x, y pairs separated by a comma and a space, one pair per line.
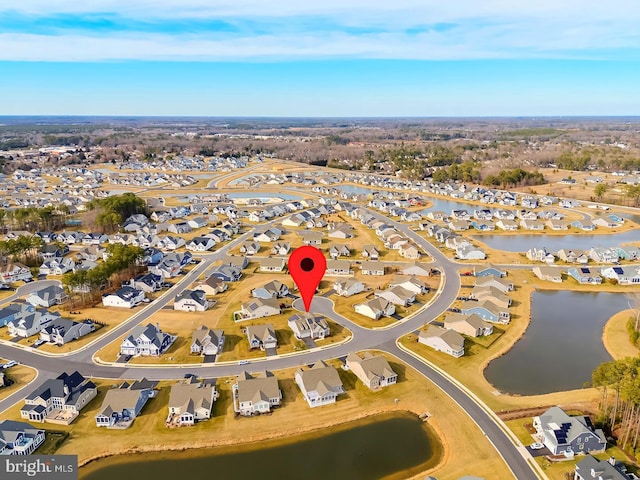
587, 420
584, 270
618, 270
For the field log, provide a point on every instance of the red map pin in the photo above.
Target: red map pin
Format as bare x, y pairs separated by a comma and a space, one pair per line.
307, 266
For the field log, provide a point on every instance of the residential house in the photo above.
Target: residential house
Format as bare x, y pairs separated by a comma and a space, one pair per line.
471, 325
540, 255
191, 401
370, 267
531, 224
311, 237
261, 336
258, 308
148, 282
557, 224
205, 341
370, 252
212, 286
409, 282
58, 398
255, 394
14, 272
628, 275
19, 438
192, 301
489, 270
272, 289
320, 384
338, 267
397, 295
14, 311
280, 248
179, 228
47, 297
585, 275
123, 404
250, 247
410, 251
57, 266
94, 238
61, 330
469, 252
549, 274
146, 340
126, 297
604, 255
227, 273
200, 244
269, 235
442, 340
339, 250
197, 222
376, 308
348, 287
272, 264
591, 468
306, 325
492, 281
573, 256
489, 292
417, 268
564, 434
487, 310
507, 225
240, 262
373, 371
28, 323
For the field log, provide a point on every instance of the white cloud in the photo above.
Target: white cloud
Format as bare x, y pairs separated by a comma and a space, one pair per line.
317, 29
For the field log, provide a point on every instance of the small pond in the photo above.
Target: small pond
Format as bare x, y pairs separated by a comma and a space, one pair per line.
562, 345
378, 447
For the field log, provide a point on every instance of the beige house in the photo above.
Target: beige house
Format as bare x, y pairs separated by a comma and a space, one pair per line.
348, 287
258, 308
371, 267
212, 286
205, 341
410, 283
397, 295
256, 394
375, 308
272, 264
471, 325
191, 401
549, 274
338, 267
442, 340
372, 370
261, 336
306, 325
319, 384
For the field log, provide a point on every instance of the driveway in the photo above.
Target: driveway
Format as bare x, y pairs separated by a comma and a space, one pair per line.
209, 359
309, 342
271, 352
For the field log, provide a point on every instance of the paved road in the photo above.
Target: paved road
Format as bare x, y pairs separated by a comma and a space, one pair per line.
27, 288
384, 339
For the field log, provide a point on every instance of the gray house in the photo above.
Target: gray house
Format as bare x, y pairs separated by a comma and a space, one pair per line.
62, 330
563, 434
123, 404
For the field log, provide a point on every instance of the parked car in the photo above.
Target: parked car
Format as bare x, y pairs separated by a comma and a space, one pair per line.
10, 363
4, 286
536, 446
243, 362
37, 343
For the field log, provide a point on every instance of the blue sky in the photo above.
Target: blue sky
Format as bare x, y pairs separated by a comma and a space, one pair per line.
329, 58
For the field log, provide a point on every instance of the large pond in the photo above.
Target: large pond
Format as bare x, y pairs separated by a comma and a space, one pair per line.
396, 445
562, 345
553, 243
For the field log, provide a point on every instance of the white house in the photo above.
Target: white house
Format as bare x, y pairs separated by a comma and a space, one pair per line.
320, 384
443, 340
126, 297
191, 301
